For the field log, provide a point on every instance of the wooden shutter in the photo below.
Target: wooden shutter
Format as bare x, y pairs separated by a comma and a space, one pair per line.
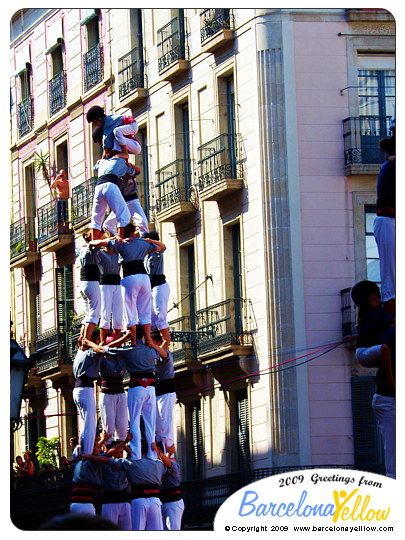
243, 430
197, 438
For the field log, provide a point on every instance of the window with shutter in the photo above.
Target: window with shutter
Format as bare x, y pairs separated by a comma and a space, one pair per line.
197, 441
242, 405
368, 450
64, 307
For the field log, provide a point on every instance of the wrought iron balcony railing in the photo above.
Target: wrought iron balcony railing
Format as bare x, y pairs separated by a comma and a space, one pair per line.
93, 67
217, 160
214, 20
361, 136
82, 201
130, 72
57, 93
173, 184
50, 358
224, 324
171, 44
25, 115
48, 225
22, 237
184, 340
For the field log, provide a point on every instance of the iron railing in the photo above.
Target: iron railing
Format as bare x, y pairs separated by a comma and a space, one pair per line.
130, 72
22, 237
173, 184
93, 67
50, 358
217, 160
223, 324
25, 116
361, 136
213, 21
348, 314
82, 200
183, 346
57, 93
48, 225
171, 44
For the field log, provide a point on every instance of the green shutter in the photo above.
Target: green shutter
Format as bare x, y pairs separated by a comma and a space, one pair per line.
243, 430
198, 449
64, 307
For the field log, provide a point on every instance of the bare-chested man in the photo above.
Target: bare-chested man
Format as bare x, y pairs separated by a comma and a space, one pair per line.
61, 184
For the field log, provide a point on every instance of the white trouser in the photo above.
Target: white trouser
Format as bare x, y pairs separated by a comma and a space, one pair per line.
114, 415
90, 291
146, 514
83, 508
112, 305
384, 233
164, 418
108, 194
142, 401
122, 136
172, 513
137, 299
160, 299
85, 402
384, 409
118, 513
137, 214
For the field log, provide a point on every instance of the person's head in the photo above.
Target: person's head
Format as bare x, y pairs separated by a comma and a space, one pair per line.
19, 460
86, 237
129, 230
114, 451
73, 441
95, 115
156, 336
152, 235
63, 460
97, 134
387, 144
366, 294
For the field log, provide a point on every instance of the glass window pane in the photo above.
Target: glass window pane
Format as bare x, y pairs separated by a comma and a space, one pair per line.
371, 248
373, 271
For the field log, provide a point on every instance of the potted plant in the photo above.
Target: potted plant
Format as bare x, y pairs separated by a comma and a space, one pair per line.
48, 452
42, 166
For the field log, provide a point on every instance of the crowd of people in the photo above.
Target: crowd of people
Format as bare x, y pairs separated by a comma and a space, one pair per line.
376, 309
125, 292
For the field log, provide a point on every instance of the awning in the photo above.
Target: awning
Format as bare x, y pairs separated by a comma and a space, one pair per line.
88, 14
54, 35
22, 60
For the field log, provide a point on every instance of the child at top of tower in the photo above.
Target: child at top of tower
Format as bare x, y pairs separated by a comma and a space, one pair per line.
118, 131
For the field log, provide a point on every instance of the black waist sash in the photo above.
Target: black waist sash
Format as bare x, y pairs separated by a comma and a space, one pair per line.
113, 385
133, 267
110, 279
170, 494
143, 491
84, 382
164, 387
84, 493
112, 178
157, 279
130, 197
110, 496
90, 272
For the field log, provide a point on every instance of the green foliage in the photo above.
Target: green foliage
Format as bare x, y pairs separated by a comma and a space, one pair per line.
48, 452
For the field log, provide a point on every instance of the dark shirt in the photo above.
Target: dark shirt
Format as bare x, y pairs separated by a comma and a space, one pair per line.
386, 186
371, 327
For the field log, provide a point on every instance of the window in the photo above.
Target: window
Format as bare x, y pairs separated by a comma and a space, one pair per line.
62, 160
196, 465
92, 59
242, 409
372, 257
64, 306
25, 112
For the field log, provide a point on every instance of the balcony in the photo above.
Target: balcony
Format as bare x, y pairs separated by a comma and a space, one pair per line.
82, 202
93, 67
226, 344
173, 191
219, 172
57, 93
23, 243
361, 136
25, 116
131, 78
173, 54
216, 28
183, 346
61, 347
51, 234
